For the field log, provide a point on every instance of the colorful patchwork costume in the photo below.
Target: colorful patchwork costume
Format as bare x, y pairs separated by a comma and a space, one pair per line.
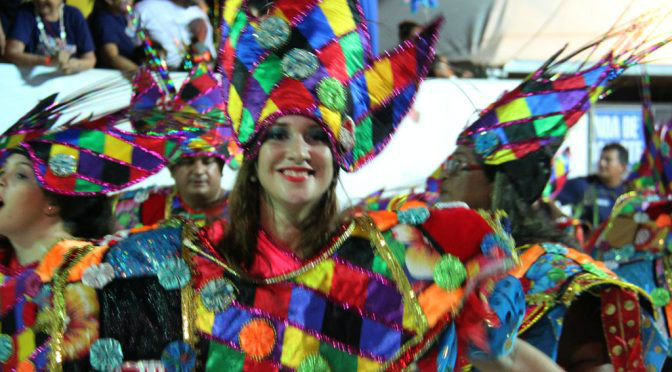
50, 310
417, 288
517, 137
636, 240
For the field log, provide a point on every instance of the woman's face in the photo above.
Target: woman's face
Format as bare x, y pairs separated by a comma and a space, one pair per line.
22, 202
295, 166
464, 180
47, 7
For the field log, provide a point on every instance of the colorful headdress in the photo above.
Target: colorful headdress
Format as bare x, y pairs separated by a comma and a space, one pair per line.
196, 112
522, 130
313, 58
84, 158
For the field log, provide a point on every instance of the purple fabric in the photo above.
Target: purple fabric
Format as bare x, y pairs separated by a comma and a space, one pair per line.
385, 301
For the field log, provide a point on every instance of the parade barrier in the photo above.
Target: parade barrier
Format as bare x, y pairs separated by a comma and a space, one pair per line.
425, 138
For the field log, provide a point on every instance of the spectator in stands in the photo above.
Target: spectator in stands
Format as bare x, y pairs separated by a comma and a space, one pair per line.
181, 27
8, 9
593, 196
48, 32
117, 42
408, 30
440, 68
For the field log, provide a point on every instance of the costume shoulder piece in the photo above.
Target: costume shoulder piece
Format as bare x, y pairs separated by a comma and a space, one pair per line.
555, 276
50, 312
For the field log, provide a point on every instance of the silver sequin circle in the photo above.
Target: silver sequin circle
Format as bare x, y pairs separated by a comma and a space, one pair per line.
299, 64
63, 165
272, 33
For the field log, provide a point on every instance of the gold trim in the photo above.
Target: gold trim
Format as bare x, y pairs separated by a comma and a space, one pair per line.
403, 285
187, 293
58, 314
280, 278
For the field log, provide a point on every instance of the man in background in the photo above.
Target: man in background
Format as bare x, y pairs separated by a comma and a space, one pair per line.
592, 197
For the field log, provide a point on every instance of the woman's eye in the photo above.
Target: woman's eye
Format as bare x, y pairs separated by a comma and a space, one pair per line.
317, 135
21, 176
277, 134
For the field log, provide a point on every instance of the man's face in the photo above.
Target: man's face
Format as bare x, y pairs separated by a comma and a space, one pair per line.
610, 167
197, 177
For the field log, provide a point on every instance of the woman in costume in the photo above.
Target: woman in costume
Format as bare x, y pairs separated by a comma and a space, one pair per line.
51, 209
290, 283
578, 312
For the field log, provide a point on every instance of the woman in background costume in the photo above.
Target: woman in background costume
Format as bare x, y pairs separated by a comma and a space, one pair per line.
290, 283
578, 312
51, 209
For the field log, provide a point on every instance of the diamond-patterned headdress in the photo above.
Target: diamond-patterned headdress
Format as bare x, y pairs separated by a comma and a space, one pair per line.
313, 58
196, 112
84, 158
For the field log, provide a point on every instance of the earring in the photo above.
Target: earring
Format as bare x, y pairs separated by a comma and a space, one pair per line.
51, 210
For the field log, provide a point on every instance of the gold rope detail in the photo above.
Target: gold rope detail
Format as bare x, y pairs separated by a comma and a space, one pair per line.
57, 314
187, 292
382, 248
280, 278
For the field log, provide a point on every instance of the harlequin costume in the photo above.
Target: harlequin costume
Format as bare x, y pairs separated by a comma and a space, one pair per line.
517, 136
387, 291
196, 111
49, 311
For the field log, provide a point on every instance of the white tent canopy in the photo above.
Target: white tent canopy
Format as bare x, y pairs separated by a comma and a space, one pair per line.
500, 32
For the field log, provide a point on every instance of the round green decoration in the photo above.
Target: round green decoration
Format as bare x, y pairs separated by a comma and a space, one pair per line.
331, 93
449, 272
660, 297
314, 363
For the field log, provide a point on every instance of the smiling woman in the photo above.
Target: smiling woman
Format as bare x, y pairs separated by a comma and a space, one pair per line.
289, 282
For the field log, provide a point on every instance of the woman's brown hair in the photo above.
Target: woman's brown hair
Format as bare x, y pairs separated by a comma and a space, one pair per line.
240, 244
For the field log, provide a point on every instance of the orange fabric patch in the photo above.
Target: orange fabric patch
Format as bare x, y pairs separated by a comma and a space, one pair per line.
53, 260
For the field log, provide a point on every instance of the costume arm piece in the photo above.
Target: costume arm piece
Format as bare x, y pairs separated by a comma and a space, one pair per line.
466, 273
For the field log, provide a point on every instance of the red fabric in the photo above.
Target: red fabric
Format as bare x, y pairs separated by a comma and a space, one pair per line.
227, 57
152, 143
293, 8
333, 59
274, 299
349, 286
7, 294
153, 209
428, 361
29, 313
271, 260
404, 68
206, 270
292, 94
458, 231
572, 83
59, 183
251, 365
